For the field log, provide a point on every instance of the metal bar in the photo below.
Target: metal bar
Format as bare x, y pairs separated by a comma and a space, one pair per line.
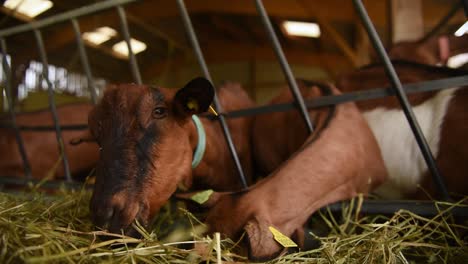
12, 180
53, 109
198, 52
390, 207
126, 34
63, 17
45, 128
329, 100
8, 88
84, 61
284, 65
402, 98
427, 86
443, 21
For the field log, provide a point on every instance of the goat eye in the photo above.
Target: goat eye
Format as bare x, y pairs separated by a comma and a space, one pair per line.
159, 112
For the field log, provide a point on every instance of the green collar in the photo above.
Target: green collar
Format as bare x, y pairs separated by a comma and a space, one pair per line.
201, 146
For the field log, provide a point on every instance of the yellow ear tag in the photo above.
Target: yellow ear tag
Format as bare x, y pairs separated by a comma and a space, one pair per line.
202, 197
192, 104
282, 239
212, 110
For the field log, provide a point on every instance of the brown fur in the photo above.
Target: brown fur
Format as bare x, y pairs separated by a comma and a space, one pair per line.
41, 146
120, 196
337, 163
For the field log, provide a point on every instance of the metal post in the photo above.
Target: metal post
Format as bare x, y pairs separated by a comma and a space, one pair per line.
285, 66
443, 21
194, 41
19, 139
53, 109
402, 98
126, 34
63, 17
84, 61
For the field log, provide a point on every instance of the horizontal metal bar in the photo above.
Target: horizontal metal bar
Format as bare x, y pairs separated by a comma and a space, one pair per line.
323, 101
63, 17
45, 128
390, 207
56, 184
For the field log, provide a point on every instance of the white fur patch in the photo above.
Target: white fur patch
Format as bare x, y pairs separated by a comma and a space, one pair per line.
401, 154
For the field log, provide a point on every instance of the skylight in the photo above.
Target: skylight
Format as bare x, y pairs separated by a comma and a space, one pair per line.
99, 35
29, 8
462, 30
122, 49
302, 29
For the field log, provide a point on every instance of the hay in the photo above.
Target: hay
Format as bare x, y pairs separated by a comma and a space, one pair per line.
38, 228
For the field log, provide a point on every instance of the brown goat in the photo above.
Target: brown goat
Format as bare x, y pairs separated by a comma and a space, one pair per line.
338, 161
148, 139
41, 146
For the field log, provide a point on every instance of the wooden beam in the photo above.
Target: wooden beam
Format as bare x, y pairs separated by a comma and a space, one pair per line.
348, 52
407, 20
363, 47
231, 29
217, 51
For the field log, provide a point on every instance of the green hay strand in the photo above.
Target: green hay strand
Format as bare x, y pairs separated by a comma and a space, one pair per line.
40, 228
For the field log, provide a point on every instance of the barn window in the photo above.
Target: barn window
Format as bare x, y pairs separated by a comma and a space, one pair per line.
62, 81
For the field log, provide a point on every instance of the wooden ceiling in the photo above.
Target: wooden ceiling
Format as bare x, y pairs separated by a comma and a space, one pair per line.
228, 31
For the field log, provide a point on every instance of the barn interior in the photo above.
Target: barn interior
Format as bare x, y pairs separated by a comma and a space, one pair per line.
38, 227
232, 38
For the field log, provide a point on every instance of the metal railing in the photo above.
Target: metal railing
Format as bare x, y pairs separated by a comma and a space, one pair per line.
300, 103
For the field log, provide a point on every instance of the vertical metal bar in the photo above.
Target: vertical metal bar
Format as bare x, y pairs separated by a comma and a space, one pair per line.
194, 42
84, 61
443, 21
402, 98
8, 88
53, 109
284, 65
126, 34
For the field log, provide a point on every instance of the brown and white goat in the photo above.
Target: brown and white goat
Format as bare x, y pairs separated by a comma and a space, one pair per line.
41, 146
148, 138
442, 116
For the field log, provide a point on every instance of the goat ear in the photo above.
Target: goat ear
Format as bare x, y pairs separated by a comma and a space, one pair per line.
194, 98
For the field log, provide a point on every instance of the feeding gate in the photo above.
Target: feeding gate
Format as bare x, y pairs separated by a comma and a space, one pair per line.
397, 89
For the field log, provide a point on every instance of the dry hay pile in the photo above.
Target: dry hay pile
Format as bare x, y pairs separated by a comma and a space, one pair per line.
38, 228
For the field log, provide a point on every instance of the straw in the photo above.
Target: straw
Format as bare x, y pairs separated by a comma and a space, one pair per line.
40, 228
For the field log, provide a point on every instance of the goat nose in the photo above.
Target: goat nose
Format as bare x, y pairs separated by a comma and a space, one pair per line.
103, 216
